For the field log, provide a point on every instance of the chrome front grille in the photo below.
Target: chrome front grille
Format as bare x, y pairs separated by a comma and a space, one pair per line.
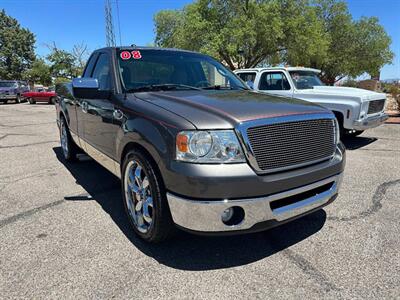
376, 106
288, 145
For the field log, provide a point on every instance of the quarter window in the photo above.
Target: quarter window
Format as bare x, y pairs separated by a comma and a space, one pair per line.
90, 65
102, 72
274, 81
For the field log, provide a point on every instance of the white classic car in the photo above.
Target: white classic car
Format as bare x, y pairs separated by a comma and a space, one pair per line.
355, 109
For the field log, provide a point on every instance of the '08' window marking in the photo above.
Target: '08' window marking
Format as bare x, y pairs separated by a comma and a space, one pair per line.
125, 55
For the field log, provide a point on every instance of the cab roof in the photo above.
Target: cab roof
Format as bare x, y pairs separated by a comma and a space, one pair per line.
134, 47
280, 68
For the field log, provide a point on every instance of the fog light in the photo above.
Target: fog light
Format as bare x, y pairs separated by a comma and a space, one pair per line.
232, 216
227, 214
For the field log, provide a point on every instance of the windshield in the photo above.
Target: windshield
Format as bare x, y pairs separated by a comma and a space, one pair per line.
7, 84
305, 79
156, 69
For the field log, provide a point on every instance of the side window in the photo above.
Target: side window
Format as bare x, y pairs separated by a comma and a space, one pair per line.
102, 72
248, 77
90, 65
273, 81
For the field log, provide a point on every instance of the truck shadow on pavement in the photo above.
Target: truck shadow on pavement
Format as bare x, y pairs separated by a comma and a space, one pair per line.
186, 251
354, 143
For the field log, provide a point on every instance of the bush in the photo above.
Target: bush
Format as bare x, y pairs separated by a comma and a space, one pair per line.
395, 91
350, 83
59, 80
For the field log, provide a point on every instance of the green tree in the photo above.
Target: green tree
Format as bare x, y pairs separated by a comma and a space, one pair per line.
39, 73
245, 33
61, 63
16, 48
249, 33
61, 80
240, 33
355, 47
371, 47
304, 37
167, 24
65, 64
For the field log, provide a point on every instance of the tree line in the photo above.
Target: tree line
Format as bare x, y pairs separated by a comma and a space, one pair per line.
18, 60
250, 33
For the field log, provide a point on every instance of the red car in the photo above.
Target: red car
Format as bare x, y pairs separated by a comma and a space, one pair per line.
40, 95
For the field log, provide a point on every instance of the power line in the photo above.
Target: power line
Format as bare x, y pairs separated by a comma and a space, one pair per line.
119, 25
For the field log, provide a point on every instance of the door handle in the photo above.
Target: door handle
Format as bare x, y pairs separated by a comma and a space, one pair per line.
84, 107
117, 114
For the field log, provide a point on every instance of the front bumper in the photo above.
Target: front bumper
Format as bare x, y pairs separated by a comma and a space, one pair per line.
370, 121
8, 97
205, 216
212, 182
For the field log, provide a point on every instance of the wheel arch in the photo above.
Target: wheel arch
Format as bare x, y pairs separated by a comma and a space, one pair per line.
339, 116
62, 112
134, 145
156, 140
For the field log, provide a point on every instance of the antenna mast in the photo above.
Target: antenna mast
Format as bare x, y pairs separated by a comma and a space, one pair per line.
110, 36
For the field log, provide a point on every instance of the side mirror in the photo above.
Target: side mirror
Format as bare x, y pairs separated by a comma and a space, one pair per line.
88, 88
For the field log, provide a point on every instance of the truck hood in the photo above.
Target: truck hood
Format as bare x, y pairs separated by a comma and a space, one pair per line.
225, 109
345, 92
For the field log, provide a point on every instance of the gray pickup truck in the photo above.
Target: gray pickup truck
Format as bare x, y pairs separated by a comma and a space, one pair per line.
194, 147
13, 90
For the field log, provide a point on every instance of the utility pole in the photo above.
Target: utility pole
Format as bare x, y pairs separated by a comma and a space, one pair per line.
110, 36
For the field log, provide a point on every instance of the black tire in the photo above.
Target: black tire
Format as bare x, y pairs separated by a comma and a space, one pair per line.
161, 226
52, 100
18, 99
70, 149
31, 101
5, 101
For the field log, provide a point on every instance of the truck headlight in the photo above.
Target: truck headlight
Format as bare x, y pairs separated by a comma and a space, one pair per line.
364, 109
216, 146
337, 131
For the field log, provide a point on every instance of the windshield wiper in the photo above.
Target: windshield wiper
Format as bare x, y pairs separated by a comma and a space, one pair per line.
162, 87
221, 87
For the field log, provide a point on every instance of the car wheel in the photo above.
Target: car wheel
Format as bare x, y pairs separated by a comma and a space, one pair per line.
31, 101
18, 99
68, 146
52, 100
145, 198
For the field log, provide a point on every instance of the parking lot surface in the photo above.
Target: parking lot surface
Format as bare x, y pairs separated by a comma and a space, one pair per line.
63, 232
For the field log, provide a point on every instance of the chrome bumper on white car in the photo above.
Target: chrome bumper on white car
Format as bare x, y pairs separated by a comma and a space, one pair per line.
207, 216
370, 121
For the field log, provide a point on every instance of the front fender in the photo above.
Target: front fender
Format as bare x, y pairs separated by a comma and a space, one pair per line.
149, 135
151, 127
348, 106
62, 94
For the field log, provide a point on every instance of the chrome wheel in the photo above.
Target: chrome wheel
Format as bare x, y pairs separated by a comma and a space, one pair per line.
64, 139
139, 200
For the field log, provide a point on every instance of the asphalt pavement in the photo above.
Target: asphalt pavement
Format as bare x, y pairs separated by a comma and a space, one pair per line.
63, 232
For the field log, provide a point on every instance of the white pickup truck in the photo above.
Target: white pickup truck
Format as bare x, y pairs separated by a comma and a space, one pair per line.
355, 109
